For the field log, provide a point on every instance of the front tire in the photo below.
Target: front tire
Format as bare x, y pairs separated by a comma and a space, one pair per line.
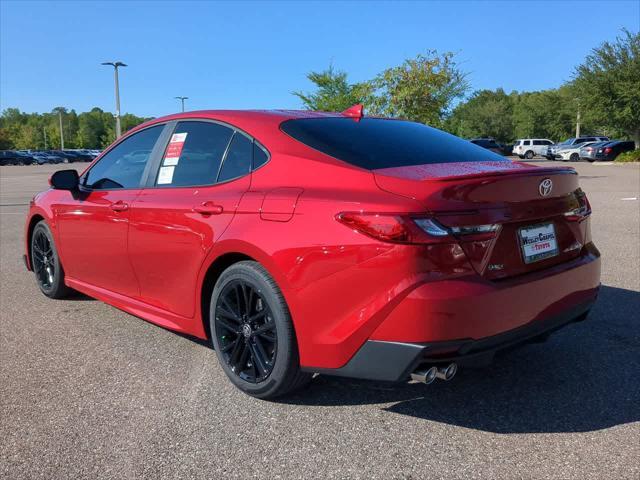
46, 262
252, 332
574, 157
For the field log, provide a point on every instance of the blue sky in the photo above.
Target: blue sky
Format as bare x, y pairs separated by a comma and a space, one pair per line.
253, 55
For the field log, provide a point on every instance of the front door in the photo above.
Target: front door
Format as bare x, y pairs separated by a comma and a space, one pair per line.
94, 223
188, 204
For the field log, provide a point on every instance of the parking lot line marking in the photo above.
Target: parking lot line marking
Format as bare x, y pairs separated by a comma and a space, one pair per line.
629, 198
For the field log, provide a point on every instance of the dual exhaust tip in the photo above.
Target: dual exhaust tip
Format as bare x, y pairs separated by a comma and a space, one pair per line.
429, 375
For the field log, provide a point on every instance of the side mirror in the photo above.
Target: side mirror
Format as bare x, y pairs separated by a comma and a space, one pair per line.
65, 180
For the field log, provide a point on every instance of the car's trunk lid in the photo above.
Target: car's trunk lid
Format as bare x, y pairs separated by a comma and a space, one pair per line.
512, 195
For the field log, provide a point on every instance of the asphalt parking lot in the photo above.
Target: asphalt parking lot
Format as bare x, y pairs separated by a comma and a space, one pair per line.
88, 391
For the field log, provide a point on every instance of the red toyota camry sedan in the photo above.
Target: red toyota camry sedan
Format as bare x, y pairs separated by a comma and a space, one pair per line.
332, 243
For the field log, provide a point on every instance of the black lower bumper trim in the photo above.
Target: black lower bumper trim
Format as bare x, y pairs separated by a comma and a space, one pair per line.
394, 361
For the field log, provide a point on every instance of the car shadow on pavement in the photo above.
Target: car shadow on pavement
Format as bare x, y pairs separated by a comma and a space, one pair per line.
584, 378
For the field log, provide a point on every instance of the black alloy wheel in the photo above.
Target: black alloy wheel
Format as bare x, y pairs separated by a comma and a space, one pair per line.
46, 263
252, 332
246, 331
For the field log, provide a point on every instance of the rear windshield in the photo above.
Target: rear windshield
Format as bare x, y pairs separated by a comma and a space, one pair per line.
373, 143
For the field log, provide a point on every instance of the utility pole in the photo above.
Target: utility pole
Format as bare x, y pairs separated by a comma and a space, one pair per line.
61, 134
182, 99
115, 66
44, 131
578, 124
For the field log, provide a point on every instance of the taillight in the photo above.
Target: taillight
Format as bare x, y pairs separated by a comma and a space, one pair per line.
582, 211
607, 150
412, 229
395, 228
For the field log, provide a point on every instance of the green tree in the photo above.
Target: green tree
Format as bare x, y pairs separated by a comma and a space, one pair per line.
422, 89
333, 92
487, 113
608, 85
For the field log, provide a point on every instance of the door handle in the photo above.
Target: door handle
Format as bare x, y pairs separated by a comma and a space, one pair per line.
119, 206
208, 208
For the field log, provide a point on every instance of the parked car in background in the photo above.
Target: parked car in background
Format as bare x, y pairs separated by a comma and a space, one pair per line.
572, 154
491, 144
12, 157
530, 147
45, 157
553, 150
588, 152
611, 150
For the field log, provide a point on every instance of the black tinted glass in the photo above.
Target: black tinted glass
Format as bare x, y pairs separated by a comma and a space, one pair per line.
373, 143
194, 154
238, 160
122, 166
260, 157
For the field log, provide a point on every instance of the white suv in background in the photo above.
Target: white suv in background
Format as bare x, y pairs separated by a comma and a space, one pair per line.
530, 147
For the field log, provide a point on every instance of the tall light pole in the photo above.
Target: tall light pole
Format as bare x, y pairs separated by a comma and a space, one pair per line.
61, 134
182, 99
115, 66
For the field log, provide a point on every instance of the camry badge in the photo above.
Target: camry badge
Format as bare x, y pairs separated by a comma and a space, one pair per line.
545, 187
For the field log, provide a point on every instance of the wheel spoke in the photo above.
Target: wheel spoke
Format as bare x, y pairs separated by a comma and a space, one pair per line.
235, 353
227, 325
227, 314
256, 316
263, 353
257, 359
230, 310
242, 361
267, 327
230, 345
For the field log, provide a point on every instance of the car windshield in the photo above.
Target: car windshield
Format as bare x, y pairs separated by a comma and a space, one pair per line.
373, 143
568, 141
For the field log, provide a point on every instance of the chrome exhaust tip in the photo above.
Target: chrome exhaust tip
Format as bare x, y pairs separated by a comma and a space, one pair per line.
425, 376
448, 372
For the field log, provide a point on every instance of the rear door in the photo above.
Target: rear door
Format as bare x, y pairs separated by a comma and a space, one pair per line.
94, 223
188, 203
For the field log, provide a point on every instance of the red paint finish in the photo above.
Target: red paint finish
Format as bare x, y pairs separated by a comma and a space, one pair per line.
148, 250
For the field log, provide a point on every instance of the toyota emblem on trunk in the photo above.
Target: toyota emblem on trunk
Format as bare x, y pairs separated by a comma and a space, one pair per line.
545, 187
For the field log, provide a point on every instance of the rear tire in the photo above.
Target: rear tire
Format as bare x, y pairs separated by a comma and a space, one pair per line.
46, 262
529, 155
252, 332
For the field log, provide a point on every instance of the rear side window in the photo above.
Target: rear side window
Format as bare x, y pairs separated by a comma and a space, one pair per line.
238, 160
526, 142
123, 165
373, 143
260, 157
194, 154
538, 142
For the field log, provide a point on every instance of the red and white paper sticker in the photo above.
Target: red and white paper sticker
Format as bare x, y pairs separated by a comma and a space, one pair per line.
172, 155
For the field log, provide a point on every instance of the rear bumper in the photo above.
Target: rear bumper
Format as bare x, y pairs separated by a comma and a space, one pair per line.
394, 361
467, 320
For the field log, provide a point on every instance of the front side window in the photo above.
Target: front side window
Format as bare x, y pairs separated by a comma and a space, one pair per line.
123, 165
194, 154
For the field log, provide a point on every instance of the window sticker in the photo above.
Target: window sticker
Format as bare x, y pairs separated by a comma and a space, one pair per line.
165, 176
172, 155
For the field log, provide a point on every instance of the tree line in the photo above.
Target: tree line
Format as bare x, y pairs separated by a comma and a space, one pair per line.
430, 88
433, 89
41, 131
